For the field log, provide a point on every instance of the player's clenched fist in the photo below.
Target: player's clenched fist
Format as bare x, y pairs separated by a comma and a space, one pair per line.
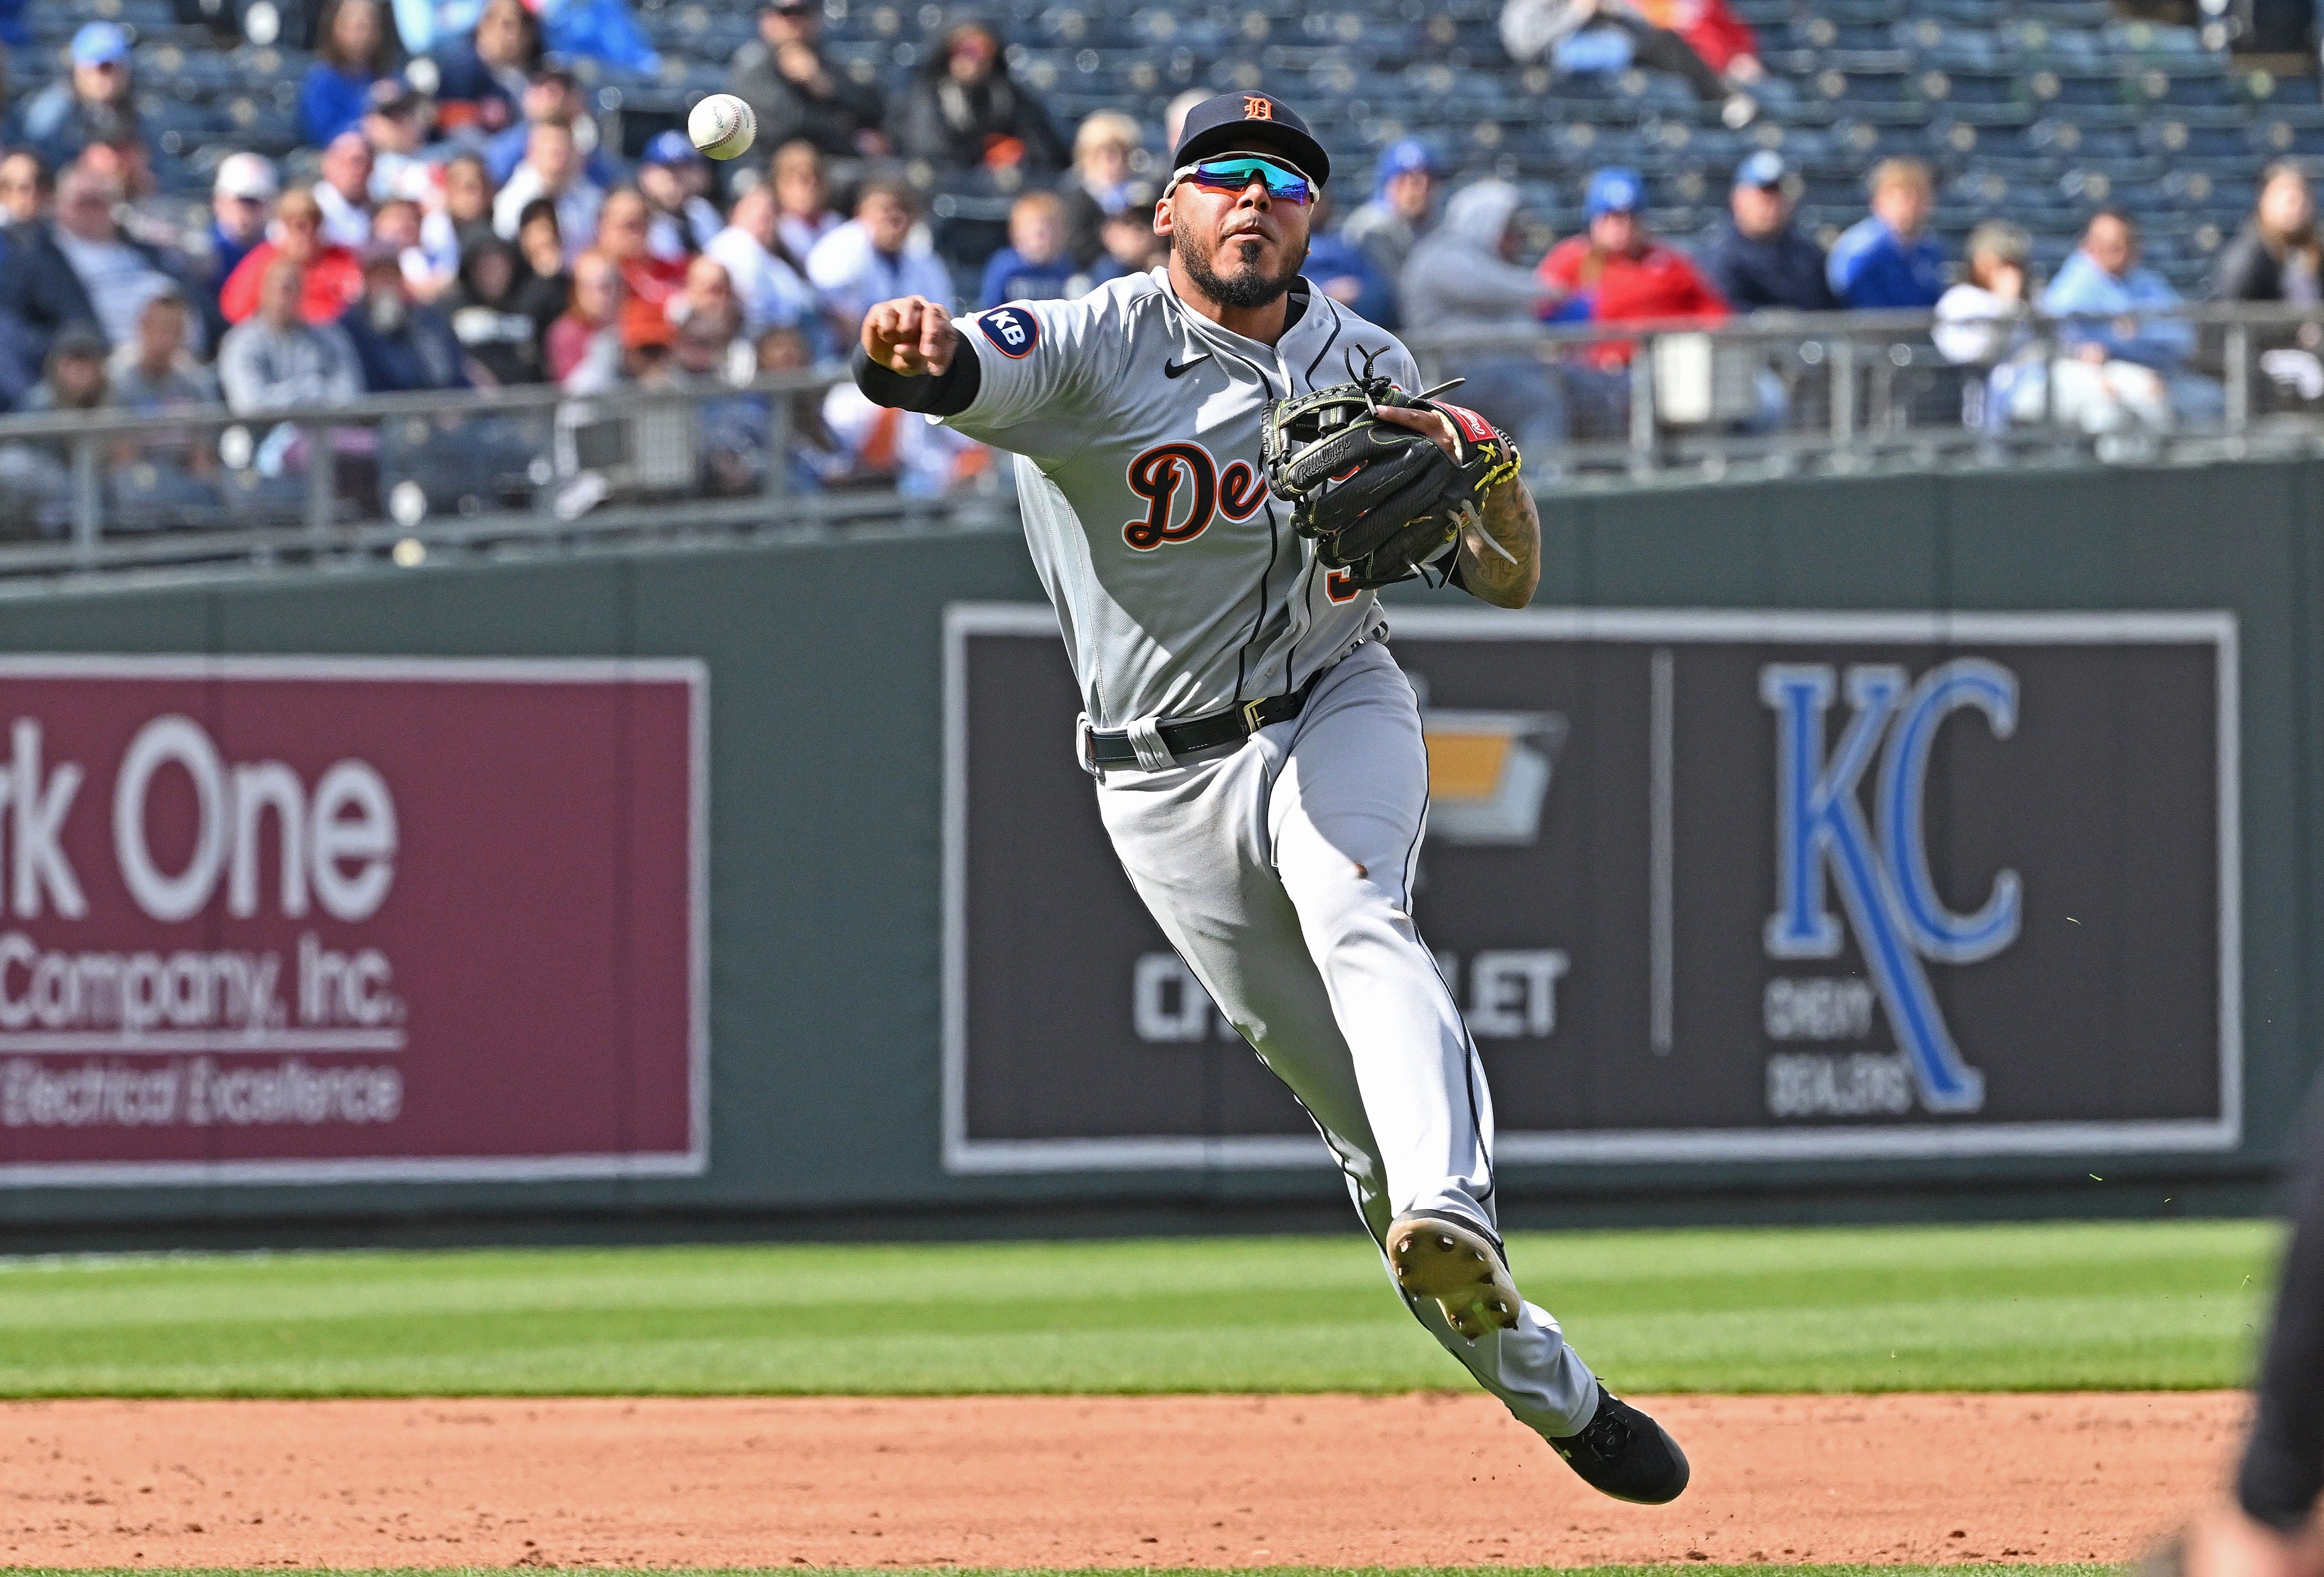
911, 335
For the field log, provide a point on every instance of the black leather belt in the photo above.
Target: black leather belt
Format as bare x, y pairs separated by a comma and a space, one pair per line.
1112, 747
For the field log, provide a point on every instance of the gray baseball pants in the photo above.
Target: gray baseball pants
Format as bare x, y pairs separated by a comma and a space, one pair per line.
1281, 869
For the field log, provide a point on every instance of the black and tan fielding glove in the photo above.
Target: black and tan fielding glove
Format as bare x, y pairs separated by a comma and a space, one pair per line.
1380, 501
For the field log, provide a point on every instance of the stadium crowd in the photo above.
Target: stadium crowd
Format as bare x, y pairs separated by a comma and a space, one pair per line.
456, 220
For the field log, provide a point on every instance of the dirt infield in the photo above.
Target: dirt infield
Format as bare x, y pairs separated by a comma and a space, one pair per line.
1064, 1481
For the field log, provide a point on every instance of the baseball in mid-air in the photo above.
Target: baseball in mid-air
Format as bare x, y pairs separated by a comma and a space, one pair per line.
722, 125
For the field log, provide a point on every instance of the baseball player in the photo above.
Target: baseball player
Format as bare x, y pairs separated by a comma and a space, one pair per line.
1258, 753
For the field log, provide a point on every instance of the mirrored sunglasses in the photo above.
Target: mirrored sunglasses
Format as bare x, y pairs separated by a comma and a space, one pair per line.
1282, 183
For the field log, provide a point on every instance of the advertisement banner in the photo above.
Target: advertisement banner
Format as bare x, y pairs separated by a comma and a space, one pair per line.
1706, 886
323, 919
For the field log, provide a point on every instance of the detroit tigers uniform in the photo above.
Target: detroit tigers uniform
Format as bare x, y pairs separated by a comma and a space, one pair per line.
1281, 866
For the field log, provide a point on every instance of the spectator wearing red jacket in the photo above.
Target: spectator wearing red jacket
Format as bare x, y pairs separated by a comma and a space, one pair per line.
331, 277
1624, 271
1723, 39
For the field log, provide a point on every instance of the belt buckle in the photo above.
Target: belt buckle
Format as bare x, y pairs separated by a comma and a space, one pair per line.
1085, 744
1250, 723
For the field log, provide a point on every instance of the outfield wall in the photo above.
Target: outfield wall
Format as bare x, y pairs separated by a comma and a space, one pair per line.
728, 927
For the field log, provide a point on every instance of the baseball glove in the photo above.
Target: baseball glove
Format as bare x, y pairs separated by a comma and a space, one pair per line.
1380, 501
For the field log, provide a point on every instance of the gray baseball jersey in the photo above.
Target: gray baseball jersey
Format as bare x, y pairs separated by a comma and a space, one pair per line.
1180, 585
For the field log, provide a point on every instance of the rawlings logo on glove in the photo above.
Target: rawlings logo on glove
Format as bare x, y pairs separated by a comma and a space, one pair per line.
1381, 502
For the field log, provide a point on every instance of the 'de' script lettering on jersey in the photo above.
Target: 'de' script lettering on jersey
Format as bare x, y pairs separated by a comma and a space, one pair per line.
1179, 581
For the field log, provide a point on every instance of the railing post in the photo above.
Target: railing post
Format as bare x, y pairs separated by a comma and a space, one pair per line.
87, 504
322, 480
779, 444
1642, 408
1843, 393
2238, 373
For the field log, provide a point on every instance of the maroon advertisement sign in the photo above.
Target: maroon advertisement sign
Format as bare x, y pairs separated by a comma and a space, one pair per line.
307, 919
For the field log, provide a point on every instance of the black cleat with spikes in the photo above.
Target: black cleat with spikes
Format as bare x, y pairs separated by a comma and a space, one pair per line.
1626, 1454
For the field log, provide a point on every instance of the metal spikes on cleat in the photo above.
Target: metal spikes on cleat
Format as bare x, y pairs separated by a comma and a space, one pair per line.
1437, 1257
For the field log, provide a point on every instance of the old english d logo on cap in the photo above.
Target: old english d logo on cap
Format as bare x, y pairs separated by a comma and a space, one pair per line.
1257, 109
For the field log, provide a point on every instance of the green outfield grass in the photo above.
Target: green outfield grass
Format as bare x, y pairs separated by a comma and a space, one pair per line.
2168, 1305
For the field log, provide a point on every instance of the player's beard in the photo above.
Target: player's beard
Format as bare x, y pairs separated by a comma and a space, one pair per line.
1248, 290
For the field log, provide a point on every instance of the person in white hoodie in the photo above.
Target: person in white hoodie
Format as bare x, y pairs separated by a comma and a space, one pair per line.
1461, 280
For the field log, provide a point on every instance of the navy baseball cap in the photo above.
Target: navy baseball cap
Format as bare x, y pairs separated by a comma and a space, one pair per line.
1256, 122
1614, 191
1764, 169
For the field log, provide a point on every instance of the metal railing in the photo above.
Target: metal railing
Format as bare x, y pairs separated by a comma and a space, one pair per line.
1844, 392
504, 470
525, 470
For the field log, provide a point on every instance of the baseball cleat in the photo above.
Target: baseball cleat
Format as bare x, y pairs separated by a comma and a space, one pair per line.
1626, 1454
1438, 1257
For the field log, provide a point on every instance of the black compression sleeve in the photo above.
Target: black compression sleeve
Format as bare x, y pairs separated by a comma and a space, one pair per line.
947, 393
2283, 1466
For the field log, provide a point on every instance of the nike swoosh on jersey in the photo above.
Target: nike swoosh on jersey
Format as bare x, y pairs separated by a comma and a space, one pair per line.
1172, 369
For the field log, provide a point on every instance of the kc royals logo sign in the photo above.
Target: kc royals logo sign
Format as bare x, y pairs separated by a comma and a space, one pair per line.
1881, 871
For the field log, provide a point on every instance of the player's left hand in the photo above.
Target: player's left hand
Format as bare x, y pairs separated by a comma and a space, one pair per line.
1434, 423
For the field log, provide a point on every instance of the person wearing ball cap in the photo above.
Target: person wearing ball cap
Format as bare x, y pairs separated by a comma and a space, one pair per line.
1256, 755
673, 175
1627, 273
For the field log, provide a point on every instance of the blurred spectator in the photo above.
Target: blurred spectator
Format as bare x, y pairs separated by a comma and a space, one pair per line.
1035, 265
1460, 280
1983, 322
804, 214
772, 293
401, 344
465, 218
79, 268
2102, 290
880, 446
72, 112
277, 361
332, 276
25, 187
343, 191
355, 47
674, 178
1343, 271
1624, 271
599, 30
621, 230
156, 375
797, 96
73, 379
552, 95
1404, 194
481, 78
395, 128
552, 170
713, 342
1603, 37
487, 311
965, 112
546, 283
590, 323
1130, 246
1759, 261
116, 147
1101, 184
2275, 258
1713, 30
39, 472
1174, 113
1885, 259
876, 257
240, 195
814, 457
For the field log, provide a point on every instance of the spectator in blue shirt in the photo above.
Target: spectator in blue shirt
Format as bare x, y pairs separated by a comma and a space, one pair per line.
1345, 271
89, 104
353, 48
1035, 265
2101, 293
1759, 260
1885, 261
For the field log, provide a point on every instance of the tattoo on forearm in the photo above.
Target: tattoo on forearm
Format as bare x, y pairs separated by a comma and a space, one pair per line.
1500, 554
